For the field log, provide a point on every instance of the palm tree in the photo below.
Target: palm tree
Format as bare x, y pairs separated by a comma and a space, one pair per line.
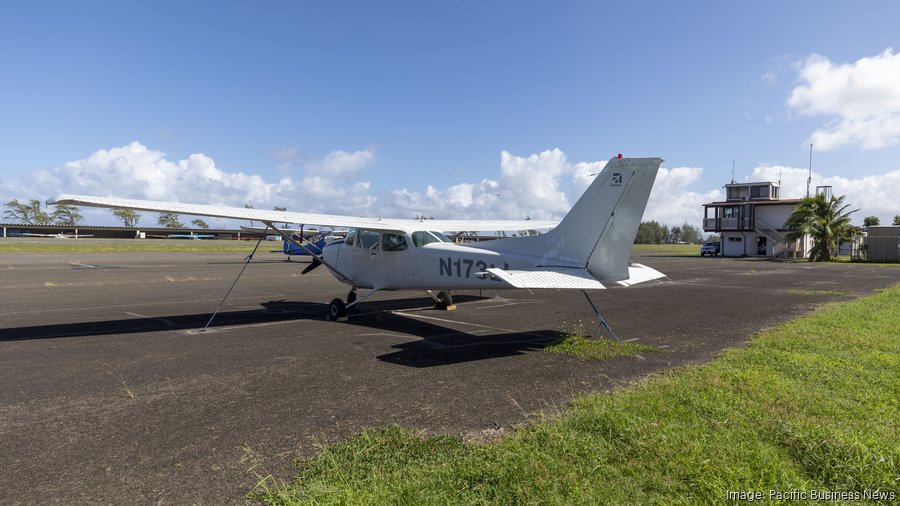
826, 221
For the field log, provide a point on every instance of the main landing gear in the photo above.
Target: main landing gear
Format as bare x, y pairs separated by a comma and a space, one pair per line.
337, 309
443, 300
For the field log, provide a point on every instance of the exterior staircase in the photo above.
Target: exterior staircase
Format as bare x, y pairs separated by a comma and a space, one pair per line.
779, 240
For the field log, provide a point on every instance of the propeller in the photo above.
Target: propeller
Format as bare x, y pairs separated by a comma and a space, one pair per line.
315, 263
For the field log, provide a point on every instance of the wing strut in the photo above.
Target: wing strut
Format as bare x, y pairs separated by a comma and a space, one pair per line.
249, 258
602, 322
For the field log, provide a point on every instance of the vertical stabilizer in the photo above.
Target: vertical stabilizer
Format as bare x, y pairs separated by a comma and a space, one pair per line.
598, 232
608, 259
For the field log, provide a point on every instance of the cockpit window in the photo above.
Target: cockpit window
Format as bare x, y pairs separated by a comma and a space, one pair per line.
368, 239
351, 237
393, 242
422, 238
440, 236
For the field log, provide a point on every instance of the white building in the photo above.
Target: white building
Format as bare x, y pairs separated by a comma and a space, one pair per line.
751, 222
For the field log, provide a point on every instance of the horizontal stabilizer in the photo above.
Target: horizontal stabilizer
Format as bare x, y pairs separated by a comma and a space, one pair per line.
548, 278
639, 273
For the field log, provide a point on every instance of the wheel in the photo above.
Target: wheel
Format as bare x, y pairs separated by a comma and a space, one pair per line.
351, 297
444, 300
337, 309
702, 254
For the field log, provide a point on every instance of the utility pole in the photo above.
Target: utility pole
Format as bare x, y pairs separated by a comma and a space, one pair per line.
809, 179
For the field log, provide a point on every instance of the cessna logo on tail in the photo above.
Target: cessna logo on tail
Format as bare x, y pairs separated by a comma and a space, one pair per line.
616, 179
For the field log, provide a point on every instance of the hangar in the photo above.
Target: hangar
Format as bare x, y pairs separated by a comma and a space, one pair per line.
883, 244
112, 232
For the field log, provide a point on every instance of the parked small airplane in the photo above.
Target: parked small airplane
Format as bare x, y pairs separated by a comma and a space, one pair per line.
57, 236
311, 247
313, 241
192, 236
589, 247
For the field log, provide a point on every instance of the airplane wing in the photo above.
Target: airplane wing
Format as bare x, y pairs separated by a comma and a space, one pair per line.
329, 220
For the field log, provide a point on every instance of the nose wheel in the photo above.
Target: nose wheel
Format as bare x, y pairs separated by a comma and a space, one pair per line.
337, 309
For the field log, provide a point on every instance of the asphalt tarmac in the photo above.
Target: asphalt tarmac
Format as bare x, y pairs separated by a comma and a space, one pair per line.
111, 393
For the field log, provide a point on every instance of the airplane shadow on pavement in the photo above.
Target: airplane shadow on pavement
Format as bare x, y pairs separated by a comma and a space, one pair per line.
438, 344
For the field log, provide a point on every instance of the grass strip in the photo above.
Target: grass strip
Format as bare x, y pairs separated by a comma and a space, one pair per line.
816, 292
671, 249
596, 349
133, 245
810, 407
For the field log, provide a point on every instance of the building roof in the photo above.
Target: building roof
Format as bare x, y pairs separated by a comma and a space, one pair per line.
782, 202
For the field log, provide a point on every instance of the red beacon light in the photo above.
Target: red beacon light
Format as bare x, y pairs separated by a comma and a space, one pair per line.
619, 155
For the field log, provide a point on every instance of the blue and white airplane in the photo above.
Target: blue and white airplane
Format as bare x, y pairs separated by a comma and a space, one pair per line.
312, 246
588, 248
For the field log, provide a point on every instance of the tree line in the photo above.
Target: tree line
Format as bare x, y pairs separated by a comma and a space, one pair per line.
827, 221
651, 232
873, 221
32, 213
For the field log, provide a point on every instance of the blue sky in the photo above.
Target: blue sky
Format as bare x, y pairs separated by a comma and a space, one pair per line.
445, 108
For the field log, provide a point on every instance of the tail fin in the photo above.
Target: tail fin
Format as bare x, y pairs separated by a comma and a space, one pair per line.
625, 189
599, 230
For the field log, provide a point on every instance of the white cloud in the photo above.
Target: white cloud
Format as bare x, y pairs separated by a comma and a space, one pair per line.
670, 201
533, 182
542, 186
528, 186
873, 195
342, 164
863, 98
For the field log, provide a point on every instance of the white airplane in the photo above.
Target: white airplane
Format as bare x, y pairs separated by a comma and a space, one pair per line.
57, 236
589, 247
193, 236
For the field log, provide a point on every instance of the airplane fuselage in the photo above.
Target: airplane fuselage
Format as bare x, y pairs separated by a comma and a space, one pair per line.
388, 263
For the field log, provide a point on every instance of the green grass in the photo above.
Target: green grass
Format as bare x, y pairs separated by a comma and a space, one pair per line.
813, 404
816, 292
129, 245
596, 349
671, 249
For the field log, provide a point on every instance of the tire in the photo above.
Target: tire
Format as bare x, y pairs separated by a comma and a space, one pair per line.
351, 297
445, 300
337, 309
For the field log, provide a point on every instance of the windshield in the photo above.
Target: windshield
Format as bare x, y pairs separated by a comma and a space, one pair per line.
421, 238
